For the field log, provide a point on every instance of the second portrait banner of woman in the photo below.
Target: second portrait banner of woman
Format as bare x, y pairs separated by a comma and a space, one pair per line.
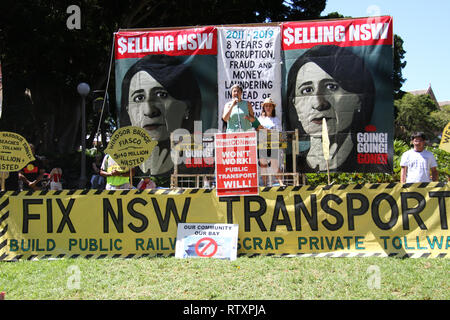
167, 81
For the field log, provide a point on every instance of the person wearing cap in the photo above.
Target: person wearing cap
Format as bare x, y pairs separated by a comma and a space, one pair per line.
269, 121
238, 114
417, 162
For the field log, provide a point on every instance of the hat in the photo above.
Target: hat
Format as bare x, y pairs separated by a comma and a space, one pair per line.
269, 101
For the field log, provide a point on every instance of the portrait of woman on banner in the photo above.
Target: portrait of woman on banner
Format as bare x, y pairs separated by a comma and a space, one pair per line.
329, 82
160, 94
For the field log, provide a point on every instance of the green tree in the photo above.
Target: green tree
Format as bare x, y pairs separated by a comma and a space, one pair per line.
413, 114
398, 64
41, 56
43, 60
305, 9
441, 117
400, 147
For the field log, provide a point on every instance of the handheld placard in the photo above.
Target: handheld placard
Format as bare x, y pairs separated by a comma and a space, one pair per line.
15, 153
129, 147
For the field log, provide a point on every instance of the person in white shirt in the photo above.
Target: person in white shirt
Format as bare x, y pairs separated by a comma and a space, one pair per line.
268, 118
270, 121
417, 163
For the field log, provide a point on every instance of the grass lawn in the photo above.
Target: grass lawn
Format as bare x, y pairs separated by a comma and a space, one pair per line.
245, 278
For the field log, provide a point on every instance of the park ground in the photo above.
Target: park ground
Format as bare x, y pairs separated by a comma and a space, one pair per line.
247, 278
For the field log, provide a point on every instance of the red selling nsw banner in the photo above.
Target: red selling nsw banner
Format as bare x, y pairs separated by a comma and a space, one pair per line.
138, 44
345, 33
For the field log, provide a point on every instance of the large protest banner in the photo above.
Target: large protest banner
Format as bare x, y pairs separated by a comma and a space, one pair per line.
340, 70
340, 220
250, 57
266, 60
166, 79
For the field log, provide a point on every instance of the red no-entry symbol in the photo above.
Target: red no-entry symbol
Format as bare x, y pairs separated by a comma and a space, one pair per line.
202, 246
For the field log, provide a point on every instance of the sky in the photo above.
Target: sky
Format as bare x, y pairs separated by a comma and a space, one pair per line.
424, 27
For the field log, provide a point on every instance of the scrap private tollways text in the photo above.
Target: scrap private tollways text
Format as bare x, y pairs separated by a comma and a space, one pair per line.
268, 244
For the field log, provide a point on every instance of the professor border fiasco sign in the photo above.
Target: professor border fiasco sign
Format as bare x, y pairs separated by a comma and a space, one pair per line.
341, 220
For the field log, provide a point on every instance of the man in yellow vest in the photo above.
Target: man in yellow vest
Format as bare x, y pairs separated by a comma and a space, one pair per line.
116, 177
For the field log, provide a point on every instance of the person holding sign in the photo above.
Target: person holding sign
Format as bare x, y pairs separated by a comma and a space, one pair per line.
116, 177
332, 83
269, 121
417, 163
160, 94
238, 114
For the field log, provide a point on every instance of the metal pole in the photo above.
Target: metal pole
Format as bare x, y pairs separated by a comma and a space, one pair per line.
83, 90
83, 144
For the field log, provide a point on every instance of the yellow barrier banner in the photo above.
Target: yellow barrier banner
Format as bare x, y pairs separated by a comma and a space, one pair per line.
406, 220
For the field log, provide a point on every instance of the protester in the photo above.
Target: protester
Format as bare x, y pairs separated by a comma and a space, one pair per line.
55, 179
32, 174
146, 183
97, 181
269, 120
116, 177
417, 162
238, 114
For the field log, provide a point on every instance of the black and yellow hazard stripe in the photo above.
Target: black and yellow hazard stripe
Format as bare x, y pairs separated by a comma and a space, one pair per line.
31, 257
5, 200
179, 191
4, 214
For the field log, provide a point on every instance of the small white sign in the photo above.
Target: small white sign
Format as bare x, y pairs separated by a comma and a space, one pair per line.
205, 240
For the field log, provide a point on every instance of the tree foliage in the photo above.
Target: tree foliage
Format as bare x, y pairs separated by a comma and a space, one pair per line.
400, 147
41, 56
413, 114
43, 60
441, 117
398, 64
